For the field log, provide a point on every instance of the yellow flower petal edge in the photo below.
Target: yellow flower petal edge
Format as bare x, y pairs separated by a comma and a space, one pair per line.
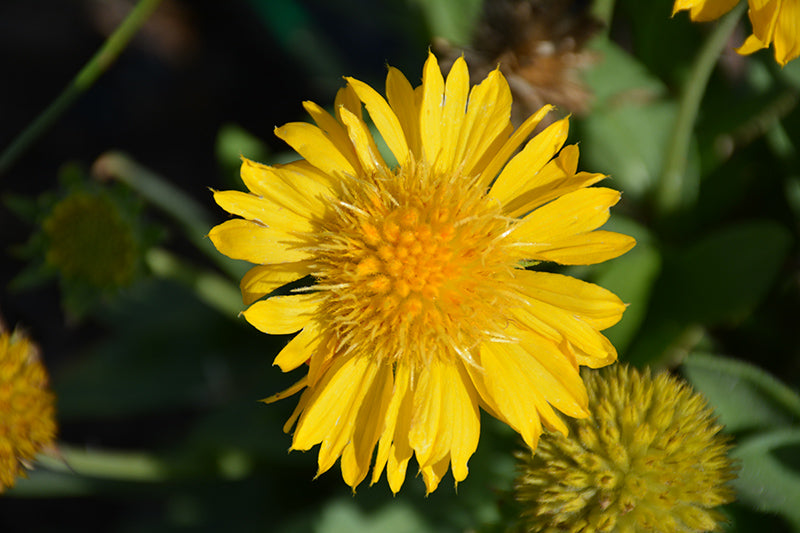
27, 407
418, 313
775, 22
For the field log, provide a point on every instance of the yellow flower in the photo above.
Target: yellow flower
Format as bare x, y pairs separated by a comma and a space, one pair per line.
775, 22
27, 423
420, 311
650, 459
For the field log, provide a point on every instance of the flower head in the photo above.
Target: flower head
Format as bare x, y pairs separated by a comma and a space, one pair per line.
420, 311
650, 459
90, 242
539, 46
774, 22
27, 422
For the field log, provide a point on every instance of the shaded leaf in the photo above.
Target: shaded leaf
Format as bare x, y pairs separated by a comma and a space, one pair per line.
769, 478
744, 396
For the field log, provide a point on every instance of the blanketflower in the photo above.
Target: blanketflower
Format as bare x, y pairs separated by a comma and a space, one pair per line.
775, 22
420, 310
27, 415
651, 458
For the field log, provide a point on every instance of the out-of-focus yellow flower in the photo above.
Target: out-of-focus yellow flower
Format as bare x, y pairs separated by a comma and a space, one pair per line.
775, 22
650, 459
27, 413
420, 311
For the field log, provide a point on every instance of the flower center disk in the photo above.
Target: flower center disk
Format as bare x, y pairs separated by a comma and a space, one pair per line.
419, 268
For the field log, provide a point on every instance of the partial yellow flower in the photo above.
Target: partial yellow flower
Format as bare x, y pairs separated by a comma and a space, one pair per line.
420, 311
651, 458
775, 22
27, 413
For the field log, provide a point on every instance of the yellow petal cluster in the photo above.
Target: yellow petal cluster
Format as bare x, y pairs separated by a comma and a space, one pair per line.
775, 22
419, 312
27, 414
651, 458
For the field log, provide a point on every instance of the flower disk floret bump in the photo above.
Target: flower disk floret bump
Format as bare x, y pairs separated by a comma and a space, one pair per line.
420, 312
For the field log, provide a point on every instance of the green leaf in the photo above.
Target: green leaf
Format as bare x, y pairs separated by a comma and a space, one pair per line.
628, 143
627, 131
724, 276
343, 516
769, 478
744, 396
618, 77
451, 19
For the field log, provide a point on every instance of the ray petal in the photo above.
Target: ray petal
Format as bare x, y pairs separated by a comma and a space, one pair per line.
591, 303
575, 213
282, 315
430, 117
300, 349
400, 95
252, 207
456, 90
316, 147
250, 241
385, 120
521, 172
263, 279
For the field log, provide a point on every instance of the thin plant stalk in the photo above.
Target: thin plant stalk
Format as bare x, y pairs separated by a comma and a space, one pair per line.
96, 66
675, 189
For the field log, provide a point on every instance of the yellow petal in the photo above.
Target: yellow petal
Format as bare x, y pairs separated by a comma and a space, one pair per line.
329, 418
300, 349
400, 95
509, 388
488, 117
787, 33
464, 418
369, 423
704, 10
428, 431
555, 378
263, 279
751, 44
569, 327
400, 388
574, 213
281, 315
591, 303
347, 98
316, 147
583, 249
510, 145
430, 117
556, 179
384, 119
296, 186
764, 17
335, 132
434, 473
367, 152
456, 90
250, 241
520, 173
269, 214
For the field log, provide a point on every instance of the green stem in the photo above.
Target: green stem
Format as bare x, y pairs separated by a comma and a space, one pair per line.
123, 466
675, 188
210, 288
603, 10
96, 66
170, 199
